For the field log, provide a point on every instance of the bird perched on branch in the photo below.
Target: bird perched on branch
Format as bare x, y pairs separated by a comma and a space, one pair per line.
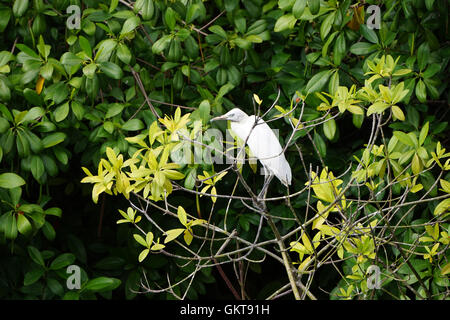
263, 144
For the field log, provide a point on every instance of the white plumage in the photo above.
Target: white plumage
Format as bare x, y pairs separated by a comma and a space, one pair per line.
262, 141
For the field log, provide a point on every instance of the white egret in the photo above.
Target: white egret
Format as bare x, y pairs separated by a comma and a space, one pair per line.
263, 144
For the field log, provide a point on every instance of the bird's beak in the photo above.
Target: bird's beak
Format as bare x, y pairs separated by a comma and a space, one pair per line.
222, 117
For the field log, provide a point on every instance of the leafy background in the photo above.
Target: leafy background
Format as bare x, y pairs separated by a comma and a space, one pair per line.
67, 95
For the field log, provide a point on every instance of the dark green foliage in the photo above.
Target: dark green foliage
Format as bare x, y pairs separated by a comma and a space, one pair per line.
68, 94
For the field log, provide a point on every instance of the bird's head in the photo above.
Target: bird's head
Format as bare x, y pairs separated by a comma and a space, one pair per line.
235, 115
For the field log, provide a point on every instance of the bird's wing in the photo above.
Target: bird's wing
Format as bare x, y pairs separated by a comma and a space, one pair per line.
265, 146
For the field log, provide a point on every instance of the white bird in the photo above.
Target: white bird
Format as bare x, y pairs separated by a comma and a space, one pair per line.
263, 144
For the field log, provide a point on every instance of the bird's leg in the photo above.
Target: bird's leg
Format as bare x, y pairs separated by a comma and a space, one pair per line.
267, 179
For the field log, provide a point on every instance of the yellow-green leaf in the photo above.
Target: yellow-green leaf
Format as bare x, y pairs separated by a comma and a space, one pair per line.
398, 113
415, 164
307, 243
188, 236
157, 246
143, 254
140, 239
445, 269
149, 239
445, 185
442, 207
197, 222
182, 216
173, 234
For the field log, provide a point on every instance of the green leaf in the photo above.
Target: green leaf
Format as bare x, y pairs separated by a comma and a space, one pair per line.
102, 284
445, 269
421, 92
243, 43
123, 53
173, 234
329, 128
320, 144
140, 239
113, 5
19, 7
27, 51
61, 155
398, 113
53, 139
431, 70
4, 125
143, 254
369, 34
442, 207
377, 107
37, 167
111, 69
285, 22
318, 81
327, 43
161, 44
61, 261
189, 181
357, 120
148, 9
114, 109
339, 50
298, 8
133, 125
35, 255
5, 15
89, 70
423, 54
23, 225
314, 6
10, 180
326, 25
193, 12
9, 225
415, 164
129, 25
85, 46
423, 133
61, 112
170, 18
32, 114
5, 91
204, 109
77, 109
46, 71
404, 138
188, 236
105, 49
182, 216
54, 212
55, 286
362, 48
71, 295
33, 275
219, 31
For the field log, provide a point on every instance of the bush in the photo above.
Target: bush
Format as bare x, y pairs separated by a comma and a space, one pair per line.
360, 111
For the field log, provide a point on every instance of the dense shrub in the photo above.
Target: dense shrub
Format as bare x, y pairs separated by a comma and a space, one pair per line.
111, 103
